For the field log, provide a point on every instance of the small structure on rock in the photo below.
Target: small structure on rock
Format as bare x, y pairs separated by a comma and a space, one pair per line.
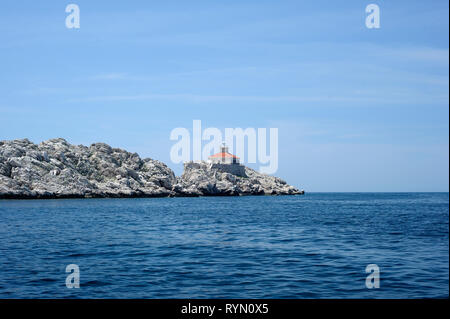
224, 161
223, 157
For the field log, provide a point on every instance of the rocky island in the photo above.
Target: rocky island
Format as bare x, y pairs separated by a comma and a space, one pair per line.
57, 169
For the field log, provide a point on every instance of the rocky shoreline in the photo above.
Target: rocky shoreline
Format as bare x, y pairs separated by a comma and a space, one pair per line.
57, 169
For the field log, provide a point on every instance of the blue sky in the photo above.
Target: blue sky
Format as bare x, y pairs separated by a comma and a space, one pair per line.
357, 109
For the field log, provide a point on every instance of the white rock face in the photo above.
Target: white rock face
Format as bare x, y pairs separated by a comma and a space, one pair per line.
57, 169
202, 179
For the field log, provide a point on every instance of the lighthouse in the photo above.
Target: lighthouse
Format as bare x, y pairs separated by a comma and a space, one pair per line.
224, 157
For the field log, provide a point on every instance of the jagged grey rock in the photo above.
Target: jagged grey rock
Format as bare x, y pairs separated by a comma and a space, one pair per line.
57, 169
205, 179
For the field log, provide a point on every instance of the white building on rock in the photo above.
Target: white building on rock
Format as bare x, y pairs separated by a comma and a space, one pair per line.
223, 157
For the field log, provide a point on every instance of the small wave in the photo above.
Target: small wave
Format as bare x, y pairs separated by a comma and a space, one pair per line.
95, 283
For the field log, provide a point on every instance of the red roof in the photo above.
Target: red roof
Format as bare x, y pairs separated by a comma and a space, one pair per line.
223, 155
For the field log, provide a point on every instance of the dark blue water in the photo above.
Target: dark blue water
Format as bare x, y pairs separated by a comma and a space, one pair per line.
312, 246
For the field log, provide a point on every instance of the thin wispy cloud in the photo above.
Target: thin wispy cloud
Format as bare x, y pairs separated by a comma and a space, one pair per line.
422, 54
110, 76
399, 99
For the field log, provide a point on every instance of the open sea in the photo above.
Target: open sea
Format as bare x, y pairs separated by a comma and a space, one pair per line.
312, 246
